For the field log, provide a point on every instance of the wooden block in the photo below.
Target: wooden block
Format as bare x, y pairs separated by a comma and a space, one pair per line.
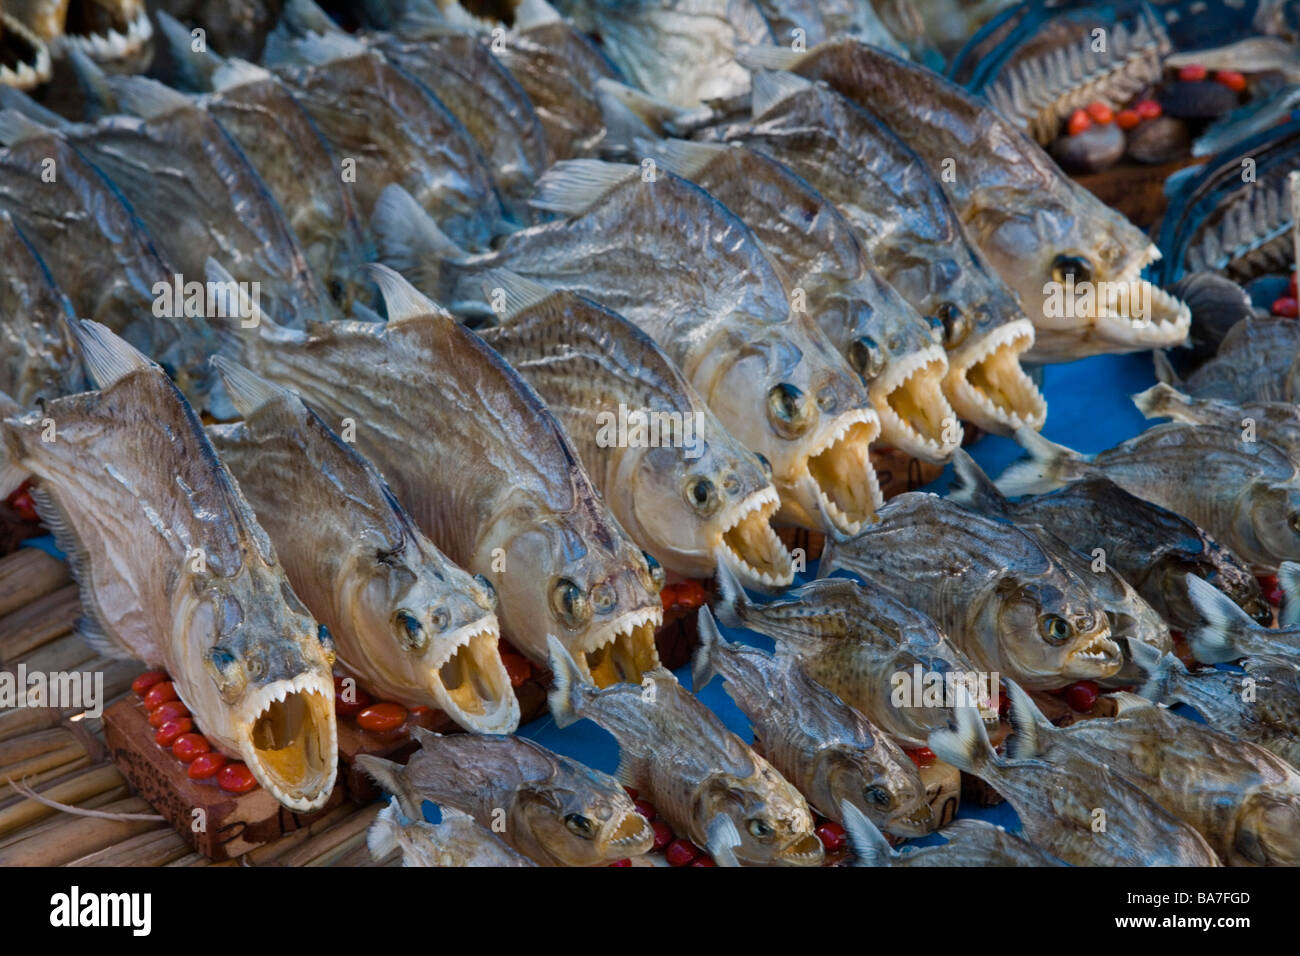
942, 790
234, 824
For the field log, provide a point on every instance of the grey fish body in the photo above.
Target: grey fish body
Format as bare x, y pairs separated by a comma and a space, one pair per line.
1005, 601
1255, 362
530, 790
912, 233
39, 361
457, 841
416, 628
175, 570
855, 638
828, 750
1242, 799
1074, 807
424, 396
970, 843
1274, 422
691, 500
693, 768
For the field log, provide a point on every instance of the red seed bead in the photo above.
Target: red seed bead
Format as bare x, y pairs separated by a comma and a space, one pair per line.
23, 503
620, 863
206, 765
189, 746
681, 853
1079, 121
1127, 119
1082, 696
146, 680
1099, 112
1232, 80
633, 792
646, 809
382, 717
1177, 636
921, 756
691, 595
1287, 307
832, 836
159, 693
663, 834
704, 860
1192, 72
668, 596
236, 777
1291, 287
168, 732
420, 710
1148, 109
344, 708
518, 668
171, 710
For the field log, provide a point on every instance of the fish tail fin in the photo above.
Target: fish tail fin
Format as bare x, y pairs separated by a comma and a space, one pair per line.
630, 114
392, 778
381, 838
870, 848
769, 57
1049, 466
1288, 578
535, 13
574, 186
1125, 701
1212, 639
1164, 369
703, 668
967, 746
401, 299
410, 241
974, 489
146, 98
1159, 669
1027, 722
1161, 400
732, 597
566, 697
98, 92
773, 87
194, 68
107, 357
304, 17
16, 126
248, 392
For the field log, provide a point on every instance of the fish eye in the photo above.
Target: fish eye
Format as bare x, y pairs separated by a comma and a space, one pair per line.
491, 592
878, 797
866, 357
702, 495
410, 631
760, 828
954, 324
658, 580
570, 604
1055, 630
788, 410
579, 826
1294, 521
764, 464
1071, 267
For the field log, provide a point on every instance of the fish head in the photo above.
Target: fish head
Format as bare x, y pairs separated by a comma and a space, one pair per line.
889, 793
1273, 513
773, 821
1268, 829
715, 505
262, 687
575, 819
116, 33
1051, 631
1076, 266
579, 577
428, 628
815, 427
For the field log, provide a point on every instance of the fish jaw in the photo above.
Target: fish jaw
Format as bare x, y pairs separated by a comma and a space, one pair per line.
469, 681
620, 650
1094, 656
834, 481
286, 734
120, 41
34, 65
915, 415
749, 547
987, 386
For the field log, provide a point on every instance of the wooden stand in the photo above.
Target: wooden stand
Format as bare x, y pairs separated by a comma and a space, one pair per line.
230, 824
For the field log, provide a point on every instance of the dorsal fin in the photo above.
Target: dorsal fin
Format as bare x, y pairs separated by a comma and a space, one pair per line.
196, 67
236, 72
574, 186
683, 157
768, 57
772, 88
247, 391
107, 357
147, 98
535, 13
304, 17
100, 97
248, 310
518, 292
16, 128
401, 299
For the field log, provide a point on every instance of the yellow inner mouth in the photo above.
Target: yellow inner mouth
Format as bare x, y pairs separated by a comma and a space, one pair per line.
752, 548
626, 658
919, 406
290, 738
845, 477
474, 677
1000, 380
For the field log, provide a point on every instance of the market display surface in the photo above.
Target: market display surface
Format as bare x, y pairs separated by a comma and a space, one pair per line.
649, 434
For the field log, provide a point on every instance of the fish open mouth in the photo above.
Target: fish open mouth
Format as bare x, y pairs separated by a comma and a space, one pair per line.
106, 32
749, 546
914, 413
989, 387
840, 479
292, 742
806, 851
633, 837
24, 58
1099, 657
622, 651
470, 683
912, 820
1137, 314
